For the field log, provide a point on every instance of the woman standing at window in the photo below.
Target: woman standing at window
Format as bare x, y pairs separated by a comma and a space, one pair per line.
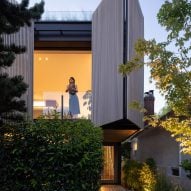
74, 108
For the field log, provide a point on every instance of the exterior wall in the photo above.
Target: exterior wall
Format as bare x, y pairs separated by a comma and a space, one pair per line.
158, 144
23, 64
135, 81
108, 54
107, 49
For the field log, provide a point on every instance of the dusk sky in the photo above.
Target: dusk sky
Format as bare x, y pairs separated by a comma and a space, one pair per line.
152, 28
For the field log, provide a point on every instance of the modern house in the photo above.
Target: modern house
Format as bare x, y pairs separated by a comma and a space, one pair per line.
91, 52
157, 143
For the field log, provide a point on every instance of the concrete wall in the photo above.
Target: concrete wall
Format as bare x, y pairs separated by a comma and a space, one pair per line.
107, 48
23, 64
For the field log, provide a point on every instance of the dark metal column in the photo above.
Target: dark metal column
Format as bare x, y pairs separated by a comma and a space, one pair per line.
62, 107
125, 57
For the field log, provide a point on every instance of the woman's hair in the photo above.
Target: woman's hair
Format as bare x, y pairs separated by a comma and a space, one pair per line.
72, 78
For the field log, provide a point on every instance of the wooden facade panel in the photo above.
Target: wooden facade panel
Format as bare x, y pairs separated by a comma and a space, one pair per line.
107, 48
23, 64
135, 81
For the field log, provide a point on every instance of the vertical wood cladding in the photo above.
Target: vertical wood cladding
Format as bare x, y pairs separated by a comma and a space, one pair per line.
107, 49
135, 81
23, 64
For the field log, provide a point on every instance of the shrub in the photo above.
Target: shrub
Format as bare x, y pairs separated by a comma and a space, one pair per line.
131, 174
186, 165
126, 150
152, 164
162, 184
51, 155
147, 178
138, 176
144, 177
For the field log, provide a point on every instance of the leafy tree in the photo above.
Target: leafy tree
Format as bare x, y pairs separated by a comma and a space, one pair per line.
164, 111
171, 70
13, 16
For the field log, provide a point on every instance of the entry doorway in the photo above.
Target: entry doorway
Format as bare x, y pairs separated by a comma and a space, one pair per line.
108, 167
111, 173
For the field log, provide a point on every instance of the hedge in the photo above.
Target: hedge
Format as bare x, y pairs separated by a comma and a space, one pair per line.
139, 176
51, 155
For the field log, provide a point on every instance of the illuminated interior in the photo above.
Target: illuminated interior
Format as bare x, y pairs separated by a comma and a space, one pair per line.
52, 70
108, 168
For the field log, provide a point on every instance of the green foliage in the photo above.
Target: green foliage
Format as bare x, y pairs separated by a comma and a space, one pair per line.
147, 178
13, 16
126, 150
165, 110
163, 184
131, 174
138, 176
144, 177
186, 165
152, 164
51, 155
171, 70
175, 17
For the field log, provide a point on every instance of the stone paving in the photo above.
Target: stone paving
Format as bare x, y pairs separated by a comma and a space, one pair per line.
112, 188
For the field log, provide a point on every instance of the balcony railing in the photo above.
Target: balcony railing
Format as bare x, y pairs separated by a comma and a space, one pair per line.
58, 103
67, 16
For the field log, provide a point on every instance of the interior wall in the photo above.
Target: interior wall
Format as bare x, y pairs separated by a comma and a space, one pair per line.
52, 70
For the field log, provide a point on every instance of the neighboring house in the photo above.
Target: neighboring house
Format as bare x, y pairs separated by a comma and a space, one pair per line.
91, 52
157, 143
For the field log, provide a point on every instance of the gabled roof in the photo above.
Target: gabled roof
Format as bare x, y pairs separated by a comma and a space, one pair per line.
119, 131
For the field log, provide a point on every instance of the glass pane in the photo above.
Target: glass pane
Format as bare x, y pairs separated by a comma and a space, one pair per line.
108, 169
51, 102
52, 71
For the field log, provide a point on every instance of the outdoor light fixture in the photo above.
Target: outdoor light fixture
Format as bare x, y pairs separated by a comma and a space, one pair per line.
135, 145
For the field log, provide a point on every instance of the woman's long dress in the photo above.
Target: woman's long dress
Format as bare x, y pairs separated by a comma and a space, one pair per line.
74, 107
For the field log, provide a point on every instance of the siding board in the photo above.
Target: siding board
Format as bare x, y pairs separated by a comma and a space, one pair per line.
23, 64
135, 81
107, 48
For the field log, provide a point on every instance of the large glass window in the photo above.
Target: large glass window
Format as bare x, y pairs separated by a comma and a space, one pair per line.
52, 70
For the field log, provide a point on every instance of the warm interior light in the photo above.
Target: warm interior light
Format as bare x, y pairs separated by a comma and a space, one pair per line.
39, 104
